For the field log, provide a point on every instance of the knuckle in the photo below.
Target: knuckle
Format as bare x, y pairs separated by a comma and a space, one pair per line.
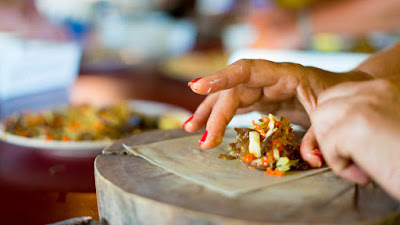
246, 62
385, 84
290, 64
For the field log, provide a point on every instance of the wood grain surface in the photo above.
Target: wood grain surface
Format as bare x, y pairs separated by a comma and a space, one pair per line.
130, 190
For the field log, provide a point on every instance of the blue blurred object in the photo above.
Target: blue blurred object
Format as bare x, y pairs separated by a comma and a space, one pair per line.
77, 29
33, 66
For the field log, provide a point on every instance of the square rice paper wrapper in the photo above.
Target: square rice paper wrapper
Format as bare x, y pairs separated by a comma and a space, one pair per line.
183, 157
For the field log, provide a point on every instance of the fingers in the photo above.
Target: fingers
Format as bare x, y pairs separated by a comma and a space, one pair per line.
327, 115
222, 113
354, 173
339, 160
353, 89
200, 117
339, 91
331, 130
309, 149
252, 73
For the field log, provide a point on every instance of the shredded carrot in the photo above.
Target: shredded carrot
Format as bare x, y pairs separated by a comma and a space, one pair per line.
75, 125
65, 138
248, 158
21, 133
279, 173
259, 129
98, 125
265, 119
278, 124
275, 142
269, 172
275, 172
49, 138
264, 161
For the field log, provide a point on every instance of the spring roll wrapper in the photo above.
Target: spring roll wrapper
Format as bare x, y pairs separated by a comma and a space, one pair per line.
183, 157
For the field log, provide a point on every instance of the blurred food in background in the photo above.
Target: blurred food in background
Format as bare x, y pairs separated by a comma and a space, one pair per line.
88, 123
181, 39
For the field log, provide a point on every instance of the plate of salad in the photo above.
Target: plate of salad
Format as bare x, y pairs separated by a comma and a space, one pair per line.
88, 127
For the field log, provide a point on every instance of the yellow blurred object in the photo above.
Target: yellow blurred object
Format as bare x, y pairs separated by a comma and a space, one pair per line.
195, 64
294, 4
171, 121
327, 42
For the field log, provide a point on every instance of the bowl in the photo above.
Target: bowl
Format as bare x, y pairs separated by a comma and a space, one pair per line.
63, 166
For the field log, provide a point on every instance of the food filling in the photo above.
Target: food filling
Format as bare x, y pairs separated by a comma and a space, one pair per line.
83, 123
269, 145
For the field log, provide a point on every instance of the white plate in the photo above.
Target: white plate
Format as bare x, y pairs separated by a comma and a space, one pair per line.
145, 107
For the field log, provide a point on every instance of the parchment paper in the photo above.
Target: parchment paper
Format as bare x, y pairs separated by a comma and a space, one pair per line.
183, 157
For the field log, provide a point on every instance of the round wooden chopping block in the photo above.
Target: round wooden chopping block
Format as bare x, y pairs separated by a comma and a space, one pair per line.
130, 190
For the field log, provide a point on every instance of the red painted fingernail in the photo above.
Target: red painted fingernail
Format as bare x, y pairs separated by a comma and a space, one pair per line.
193, 81
203, 138
317, 154
187, 121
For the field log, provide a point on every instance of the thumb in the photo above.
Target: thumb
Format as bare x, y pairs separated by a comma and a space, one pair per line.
309, 149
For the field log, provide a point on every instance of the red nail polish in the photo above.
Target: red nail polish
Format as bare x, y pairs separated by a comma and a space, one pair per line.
318, 155
187, 121
203, 138
193, 81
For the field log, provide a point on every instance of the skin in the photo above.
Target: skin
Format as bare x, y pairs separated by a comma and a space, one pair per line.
365, 117
280, 88
284, 89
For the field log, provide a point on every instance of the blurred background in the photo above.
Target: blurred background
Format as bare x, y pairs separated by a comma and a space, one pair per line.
73, 43
102, 51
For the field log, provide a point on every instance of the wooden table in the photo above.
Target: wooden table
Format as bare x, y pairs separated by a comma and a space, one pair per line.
132, 190
38, 188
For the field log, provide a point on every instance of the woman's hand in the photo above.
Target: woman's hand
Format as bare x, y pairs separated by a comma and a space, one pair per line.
357, 126
286, 89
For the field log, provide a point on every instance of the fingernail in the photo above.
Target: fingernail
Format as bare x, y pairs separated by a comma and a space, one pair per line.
317, 154
187, 121
203, 138
193, 81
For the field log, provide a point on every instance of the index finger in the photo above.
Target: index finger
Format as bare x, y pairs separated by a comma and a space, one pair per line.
252, 73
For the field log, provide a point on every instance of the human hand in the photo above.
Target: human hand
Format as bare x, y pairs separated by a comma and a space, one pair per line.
284, 89
357, 126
